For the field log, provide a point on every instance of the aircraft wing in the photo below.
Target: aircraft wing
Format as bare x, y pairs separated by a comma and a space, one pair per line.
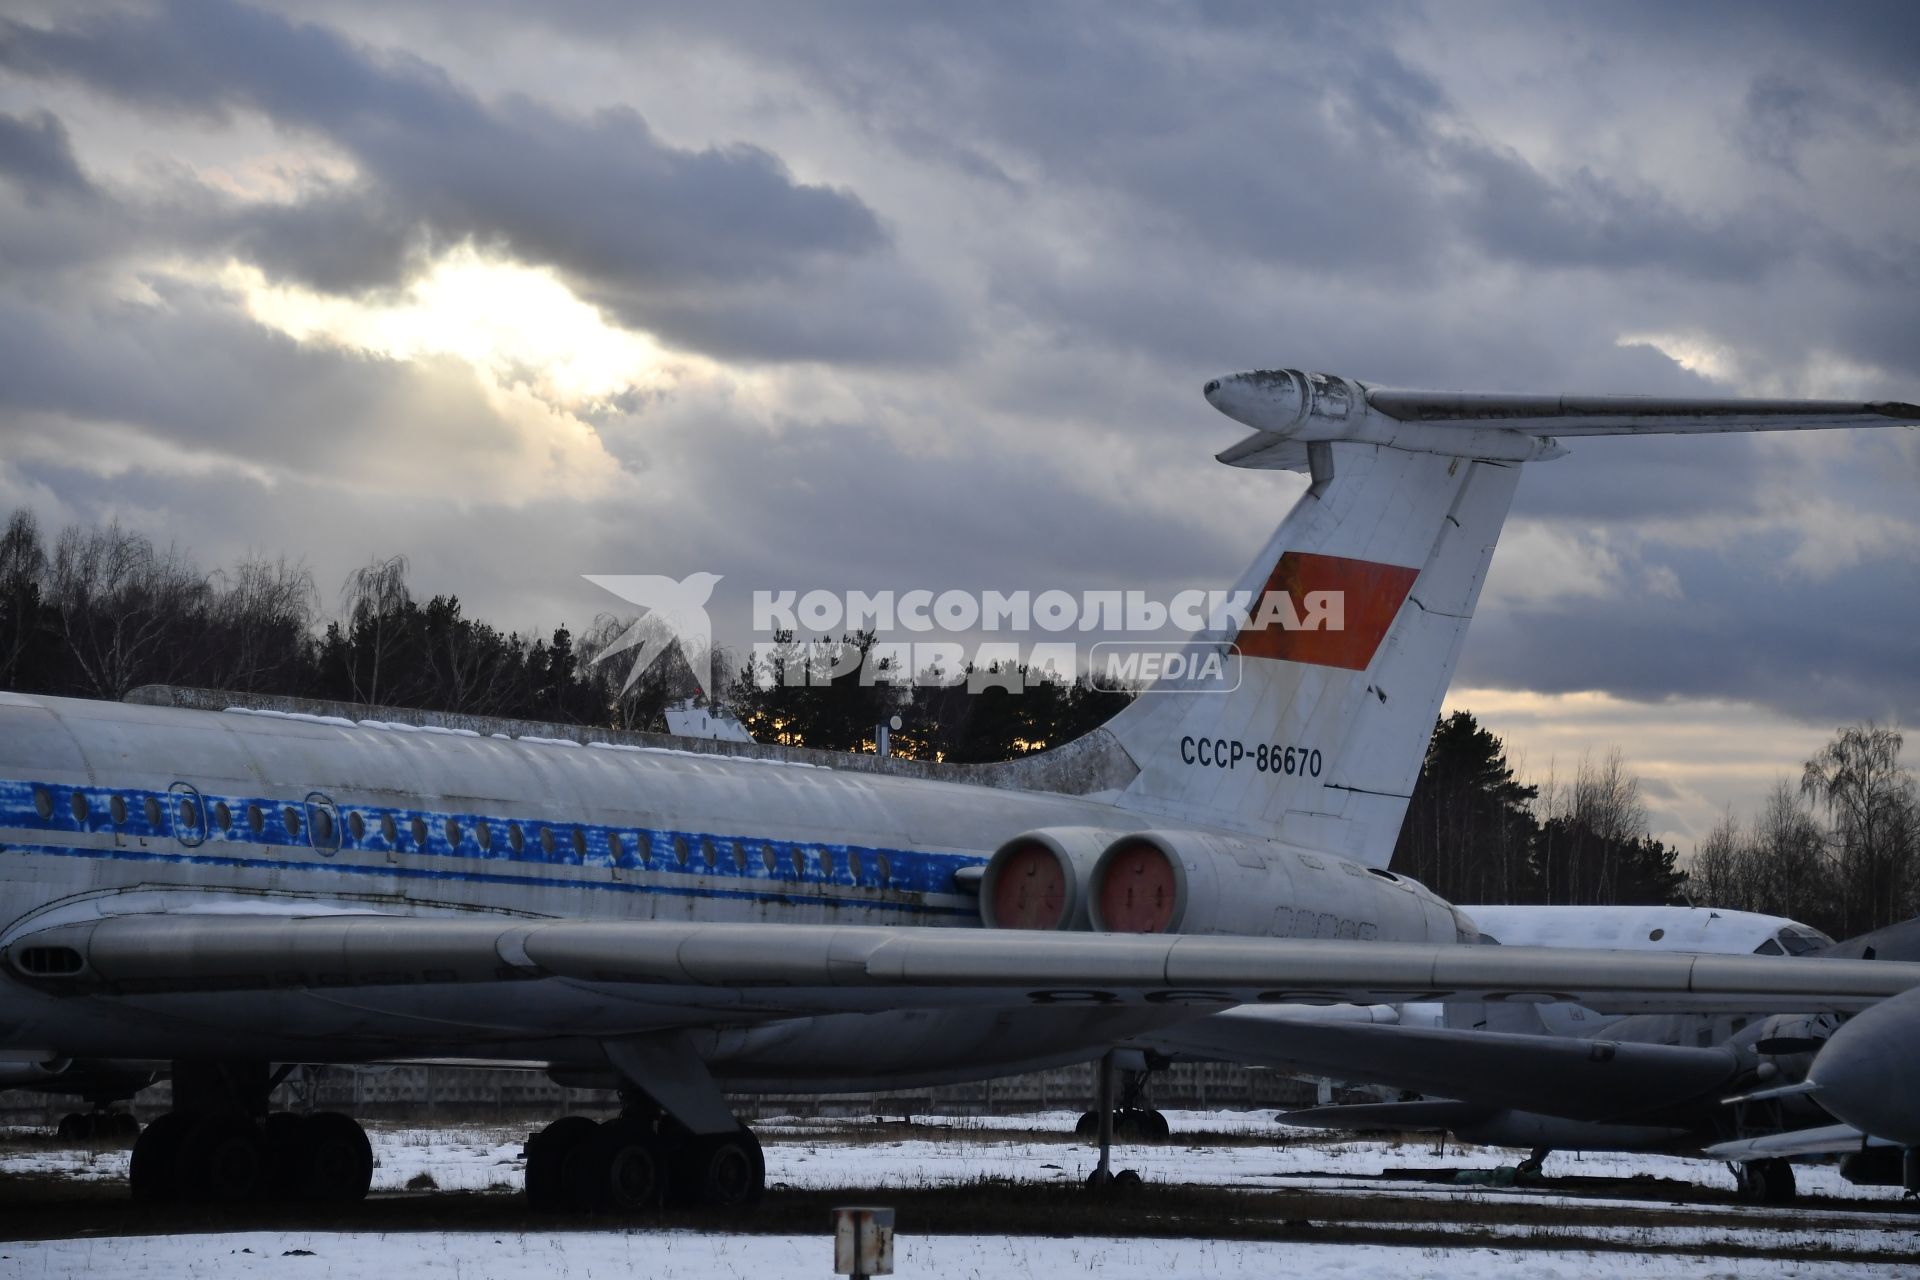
817, 968
1828, 1140
1578, 1079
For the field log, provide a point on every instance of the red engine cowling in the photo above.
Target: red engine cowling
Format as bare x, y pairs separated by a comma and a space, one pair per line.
1038, 880
1193, 882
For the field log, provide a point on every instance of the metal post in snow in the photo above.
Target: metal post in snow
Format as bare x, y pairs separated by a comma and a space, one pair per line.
863, 1242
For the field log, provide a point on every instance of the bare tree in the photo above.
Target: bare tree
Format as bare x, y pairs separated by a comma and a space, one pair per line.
1721, 865
375, 602
1789, 875
121, 606
262, 613
1869, 801
637, 699
23, 566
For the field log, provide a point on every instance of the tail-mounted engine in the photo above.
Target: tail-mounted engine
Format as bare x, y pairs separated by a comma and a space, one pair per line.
1038, 880
1191, 882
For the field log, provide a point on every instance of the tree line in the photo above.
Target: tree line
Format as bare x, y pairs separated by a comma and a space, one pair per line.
1474, 832
1839, 849
99, 610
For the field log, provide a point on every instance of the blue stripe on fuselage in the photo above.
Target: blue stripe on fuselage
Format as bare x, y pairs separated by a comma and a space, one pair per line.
802, 872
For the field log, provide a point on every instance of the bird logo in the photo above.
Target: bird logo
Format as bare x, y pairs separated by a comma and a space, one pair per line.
675, 611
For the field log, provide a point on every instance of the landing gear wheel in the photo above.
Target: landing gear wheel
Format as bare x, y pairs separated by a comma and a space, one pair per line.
1765, 1182
223, 1159
723, 1171
636, 1167
621, 1168
1139, 1124
1776, 1182
339, 1159
547, 1153
123, 1126
1088, 1125
150, 1171
74, 1127
289, 1154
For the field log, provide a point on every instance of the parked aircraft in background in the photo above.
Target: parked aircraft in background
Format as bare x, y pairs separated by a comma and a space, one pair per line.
1862, 1074
1549, 1076
1558, 1076
226, 892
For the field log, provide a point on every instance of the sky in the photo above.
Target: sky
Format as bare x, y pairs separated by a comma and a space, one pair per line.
900, 295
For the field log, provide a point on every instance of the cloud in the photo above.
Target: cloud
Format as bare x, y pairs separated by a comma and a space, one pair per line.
189, 368
694, 243
37, 156
925, 296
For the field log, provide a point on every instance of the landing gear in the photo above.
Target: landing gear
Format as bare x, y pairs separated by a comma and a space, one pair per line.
1130, 1124
100, 1125
548, 1154
1103, 1177
1132, 1120
1765, 1181
723, 1171
220, 1146
641, 1160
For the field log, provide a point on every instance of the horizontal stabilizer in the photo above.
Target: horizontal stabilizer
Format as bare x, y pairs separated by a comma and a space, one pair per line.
1631, 415
1290, 410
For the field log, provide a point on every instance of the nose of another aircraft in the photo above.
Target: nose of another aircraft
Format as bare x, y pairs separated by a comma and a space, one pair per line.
1866, 1070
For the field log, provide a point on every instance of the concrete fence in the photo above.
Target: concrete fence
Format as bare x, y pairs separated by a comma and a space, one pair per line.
428, 1094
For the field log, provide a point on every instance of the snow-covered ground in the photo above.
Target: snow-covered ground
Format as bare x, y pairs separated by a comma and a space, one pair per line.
863, 1155
682, 1255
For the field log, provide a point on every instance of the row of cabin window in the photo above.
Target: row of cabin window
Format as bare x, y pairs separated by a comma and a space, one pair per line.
323, 834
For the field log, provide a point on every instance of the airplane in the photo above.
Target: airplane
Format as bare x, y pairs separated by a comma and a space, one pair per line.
1862, 1076
223, 891
1556, 1076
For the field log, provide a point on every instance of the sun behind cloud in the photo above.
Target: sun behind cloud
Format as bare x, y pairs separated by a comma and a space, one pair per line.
515, 324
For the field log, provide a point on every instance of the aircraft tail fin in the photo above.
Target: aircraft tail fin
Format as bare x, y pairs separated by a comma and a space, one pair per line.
1339, 642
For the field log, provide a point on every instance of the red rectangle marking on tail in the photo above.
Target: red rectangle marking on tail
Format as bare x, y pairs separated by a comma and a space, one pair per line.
1370, 597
